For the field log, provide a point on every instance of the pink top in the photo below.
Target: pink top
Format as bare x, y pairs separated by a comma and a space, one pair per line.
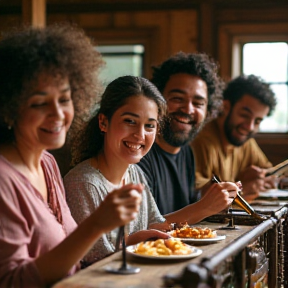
29, 227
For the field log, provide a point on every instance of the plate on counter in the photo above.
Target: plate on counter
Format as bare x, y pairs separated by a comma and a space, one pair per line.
203, 240
274, 193
195, 252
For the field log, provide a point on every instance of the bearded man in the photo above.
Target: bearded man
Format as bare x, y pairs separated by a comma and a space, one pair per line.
226, 147
193, 91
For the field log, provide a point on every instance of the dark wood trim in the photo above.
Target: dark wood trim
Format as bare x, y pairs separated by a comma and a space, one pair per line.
117, 7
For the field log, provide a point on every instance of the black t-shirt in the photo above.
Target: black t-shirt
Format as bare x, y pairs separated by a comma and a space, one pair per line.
171, 177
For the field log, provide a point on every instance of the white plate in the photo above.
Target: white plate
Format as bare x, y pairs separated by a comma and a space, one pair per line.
196, 252
203, 240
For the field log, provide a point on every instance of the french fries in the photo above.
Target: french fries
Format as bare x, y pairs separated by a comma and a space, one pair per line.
163, 247
193, 232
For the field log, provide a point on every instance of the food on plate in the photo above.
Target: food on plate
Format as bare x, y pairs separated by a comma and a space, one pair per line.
193, 232
163, 247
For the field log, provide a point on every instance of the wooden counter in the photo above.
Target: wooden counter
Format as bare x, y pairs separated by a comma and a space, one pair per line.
232, 262
152, 271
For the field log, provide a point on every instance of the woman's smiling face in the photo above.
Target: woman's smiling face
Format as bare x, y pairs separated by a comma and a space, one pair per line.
132, 129
46, 116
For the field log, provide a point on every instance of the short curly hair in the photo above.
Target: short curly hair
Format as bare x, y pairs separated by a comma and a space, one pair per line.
57, 50
253, 86
196, 64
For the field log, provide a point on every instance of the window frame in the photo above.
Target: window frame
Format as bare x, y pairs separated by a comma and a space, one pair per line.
122, 36
117, 50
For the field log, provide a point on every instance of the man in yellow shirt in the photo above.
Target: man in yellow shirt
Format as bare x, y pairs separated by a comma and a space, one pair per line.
225, 146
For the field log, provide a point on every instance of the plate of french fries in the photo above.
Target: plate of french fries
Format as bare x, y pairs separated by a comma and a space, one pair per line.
170, 248
196, 234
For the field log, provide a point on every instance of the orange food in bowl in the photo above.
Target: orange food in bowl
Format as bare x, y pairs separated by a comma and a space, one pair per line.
193, 232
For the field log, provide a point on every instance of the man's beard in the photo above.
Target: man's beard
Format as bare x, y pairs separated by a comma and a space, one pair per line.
228, 130
178, 138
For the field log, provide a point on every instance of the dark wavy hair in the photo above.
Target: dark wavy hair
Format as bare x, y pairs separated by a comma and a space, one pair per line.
89, 140
196, 64
252, 85
57, 50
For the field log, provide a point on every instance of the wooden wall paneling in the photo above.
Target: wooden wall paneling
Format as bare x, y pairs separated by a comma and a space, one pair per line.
275, 147
8, 21
99, 20
10, 14
252, 15
124, 19
178, 30
173, 30
183, 31
161, 46
224, 53
84, 20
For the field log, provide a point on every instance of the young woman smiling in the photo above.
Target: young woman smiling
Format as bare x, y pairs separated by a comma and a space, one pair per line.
105, 151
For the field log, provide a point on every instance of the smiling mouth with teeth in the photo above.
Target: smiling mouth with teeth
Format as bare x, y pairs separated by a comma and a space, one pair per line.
184, 121
133, 146
53, 130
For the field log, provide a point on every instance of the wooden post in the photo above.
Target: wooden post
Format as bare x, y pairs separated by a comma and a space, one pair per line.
34, 12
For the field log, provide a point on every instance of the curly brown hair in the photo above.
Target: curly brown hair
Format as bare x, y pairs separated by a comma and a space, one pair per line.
57, 50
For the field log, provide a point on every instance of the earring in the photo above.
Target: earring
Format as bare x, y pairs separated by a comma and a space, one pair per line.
9, 127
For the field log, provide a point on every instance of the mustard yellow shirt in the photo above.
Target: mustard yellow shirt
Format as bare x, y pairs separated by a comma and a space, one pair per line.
211, 158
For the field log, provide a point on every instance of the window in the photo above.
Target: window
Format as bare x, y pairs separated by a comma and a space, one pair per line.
121, 60
269, 60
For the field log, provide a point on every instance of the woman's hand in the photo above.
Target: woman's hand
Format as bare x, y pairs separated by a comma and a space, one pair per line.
118, 208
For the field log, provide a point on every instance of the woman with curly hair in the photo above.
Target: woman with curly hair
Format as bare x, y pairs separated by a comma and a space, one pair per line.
47, 76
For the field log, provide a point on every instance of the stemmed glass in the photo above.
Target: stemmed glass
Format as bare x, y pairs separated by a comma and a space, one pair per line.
124, 268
